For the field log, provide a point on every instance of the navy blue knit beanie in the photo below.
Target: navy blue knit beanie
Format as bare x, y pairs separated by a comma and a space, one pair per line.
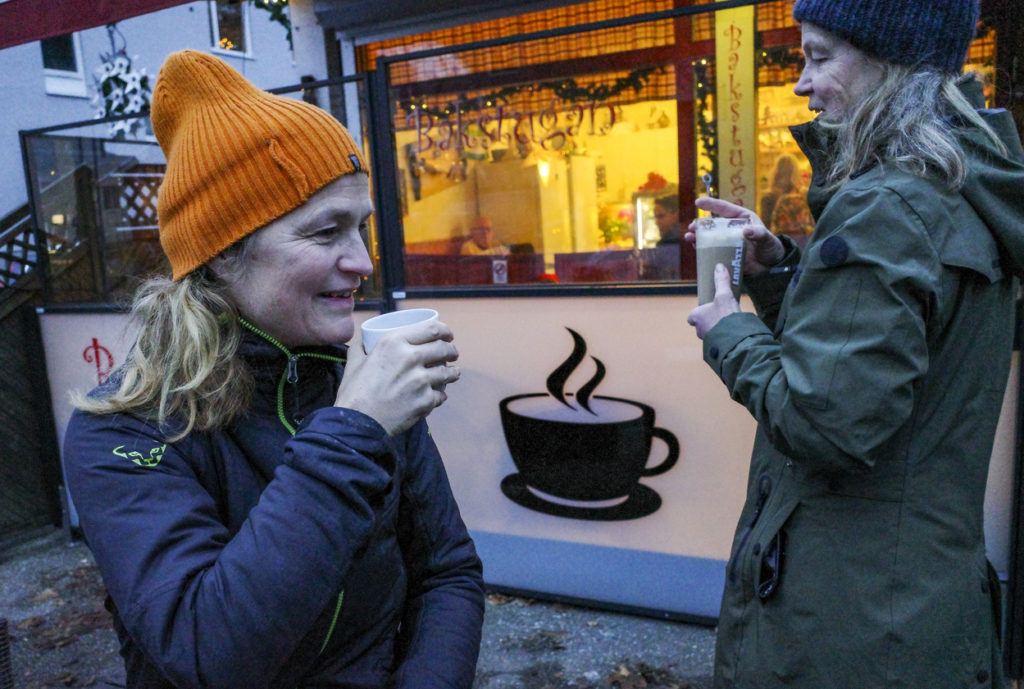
936, 33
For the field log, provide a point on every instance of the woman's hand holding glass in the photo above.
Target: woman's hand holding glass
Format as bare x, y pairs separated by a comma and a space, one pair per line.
763, 248
403, 378
762, 251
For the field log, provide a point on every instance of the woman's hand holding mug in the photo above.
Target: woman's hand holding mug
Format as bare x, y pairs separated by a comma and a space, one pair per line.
403, 378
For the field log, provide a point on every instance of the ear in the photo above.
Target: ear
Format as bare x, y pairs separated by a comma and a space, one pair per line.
229, 264
217, 266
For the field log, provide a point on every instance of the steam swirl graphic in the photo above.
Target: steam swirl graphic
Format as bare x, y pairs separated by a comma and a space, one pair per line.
556, 381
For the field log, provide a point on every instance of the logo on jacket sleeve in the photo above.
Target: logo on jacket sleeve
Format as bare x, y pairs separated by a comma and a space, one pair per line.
155, 455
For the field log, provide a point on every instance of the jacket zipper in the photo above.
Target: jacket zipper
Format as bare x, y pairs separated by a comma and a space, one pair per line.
291, 373
291, 376
764, 489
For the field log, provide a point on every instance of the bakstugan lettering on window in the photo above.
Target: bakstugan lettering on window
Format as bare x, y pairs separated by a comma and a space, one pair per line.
550, 128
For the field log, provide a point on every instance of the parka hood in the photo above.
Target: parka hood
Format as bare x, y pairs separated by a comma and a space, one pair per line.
995, 181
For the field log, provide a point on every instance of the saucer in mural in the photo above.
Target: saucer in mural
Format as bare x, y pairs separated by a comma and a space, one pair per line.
640, 502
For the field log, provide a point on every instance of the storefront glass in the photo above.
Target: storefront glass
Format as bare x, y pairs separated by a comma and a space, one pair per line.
576, 150
553, 168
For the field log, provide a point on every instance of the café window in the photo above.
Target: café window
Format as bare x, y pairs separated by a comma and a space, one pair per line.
229, 26
62, 65
551, 167
577, 158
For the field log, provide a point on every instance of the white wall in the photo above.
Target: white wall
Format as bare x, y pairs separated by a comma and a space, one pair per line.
149, 39
675, 556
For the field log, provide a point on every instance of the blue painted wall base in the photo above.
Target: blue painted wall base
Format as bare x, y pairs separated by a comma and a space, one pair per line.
636, 581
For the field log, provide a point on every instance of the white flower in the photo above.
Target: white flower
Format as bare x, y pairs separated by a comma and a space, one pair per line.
135, 103
120, 126
120, 89
132, 81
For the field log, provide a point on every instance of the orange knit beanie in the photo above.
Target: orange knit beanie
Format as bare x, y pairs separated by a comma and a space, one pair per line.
237, 157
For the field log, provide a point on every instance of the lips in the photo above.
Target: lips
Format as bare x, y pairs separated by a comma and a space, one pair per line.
343, 294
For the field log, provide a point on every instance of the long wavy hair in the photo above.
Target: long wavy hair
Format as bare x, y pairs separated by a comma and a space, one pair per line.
184, 371
910, 120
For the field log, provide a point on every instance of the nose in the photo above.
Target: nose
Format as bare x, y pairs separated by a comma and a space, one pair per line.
803, 85
355, 258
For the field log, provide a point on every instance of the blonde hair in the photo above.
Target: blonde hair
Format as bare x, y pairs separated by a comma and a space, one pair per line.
909, 120
184, 371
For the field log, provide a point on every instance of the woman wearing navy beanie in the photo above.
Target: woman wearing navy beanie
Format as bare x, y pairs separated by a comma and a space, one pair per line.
875, 367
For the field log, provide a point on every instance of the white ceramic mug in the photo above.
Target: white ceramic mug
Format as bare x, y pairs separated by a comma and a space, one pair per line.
373, 328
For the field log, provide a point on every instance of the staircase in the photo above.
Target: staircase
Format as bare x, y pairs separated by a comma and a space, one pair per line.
18, 254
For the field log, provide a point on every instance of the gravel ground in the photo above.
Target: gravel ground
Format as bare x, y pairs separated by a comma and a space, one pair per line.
60, 635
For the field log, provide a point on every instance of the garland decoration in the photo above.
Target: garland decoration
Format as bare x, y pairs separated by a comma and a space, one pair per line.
278, 13
566, 89
707, 124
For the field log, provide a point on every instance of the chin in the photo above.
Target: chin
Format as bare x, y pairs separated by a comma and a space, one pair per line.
331, 335
337, 339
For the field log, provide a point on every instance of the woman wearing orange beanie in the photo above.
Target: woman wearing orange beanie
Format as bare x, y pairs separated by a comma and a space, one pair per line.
267, 507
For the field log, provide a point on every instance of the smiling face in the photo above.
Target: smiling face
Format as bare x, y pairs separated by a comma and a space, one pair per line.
836, 75
301, 269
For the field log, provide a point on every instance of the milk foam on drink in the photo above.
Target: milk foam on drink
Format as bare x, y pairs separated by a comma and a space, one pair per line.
719, 240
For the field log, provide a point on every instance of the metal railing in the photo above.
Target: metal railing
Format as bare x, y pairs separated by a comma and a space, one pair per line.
18, 251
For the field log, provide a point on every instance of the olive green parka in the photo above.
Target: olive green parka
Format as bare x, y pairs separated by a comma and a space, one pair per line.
875, 369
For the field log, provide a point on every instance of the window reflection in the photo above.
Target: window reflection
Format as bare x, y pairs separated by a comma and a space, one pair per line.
564, 169
568, 145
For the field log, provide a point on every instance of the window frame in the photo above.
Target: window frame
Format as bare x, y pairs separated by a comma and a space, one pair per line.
215, 46
62, 82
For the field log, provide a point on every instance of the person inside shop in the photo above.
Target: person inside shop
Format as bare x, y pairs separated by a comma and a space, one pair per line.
265, 505
481, 240
784, 207
874, 367
666, 217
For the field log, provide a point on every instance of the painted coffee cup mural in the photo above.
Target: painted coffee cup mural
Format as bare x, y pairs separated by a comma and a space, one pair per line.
582, 455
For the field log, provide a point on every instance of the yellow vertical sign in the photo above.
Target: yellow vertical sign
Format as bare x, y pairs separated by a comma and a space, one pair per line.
736, 105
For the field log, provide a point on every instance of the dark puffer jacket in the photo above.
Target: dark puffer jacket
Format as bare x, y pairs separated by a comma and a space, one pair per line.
252, 557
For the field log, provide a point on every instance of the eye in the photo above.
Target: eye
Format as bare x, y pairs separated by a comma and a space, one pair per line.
324, 234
